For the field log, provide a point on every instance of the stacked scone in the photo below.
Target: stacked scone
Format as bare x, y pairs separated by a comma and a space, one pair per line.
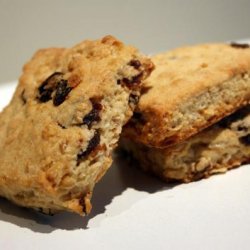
193, 119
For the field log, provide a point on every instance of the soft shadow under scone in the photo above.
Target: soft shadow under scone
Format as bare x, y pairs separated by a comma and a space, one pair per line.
220, 147
190, 89
57, 134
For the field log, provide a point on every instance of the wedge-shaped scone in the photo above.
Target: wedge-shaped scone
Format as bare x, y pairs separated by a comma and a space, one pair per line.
220, 147
190, 89
57, 133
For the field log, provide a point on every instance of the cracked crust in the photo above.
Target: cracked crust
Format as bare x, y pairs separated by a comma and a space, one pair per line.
217, 149
58, 132
190, 89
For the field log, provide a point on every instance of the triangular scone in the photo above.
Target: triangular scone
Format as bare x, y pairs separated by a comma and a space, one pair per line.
57, 133
190, 89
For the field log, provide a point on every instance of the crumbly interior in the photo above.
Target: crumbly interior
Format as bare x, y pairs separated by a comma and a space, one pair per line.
215, 150
58, 132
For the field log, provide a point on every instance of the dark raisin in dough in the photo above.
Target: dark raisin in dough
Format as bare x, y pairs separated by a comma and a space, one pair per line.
82, 204
47, 87
242, 128
93, 143
56, 83
132, 83
45, 94
94, 114
245, 139
240, 45
62, 126
135, 63
62, 91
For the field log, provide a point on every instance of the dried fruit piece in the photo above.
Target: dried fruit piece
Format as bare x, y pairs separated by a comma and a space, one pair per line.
62, 91
240, 45
45, 94
94, 114
60, 125
242, 128
47, 87
132, 83
82, 204
135, 63
93, 143
245, 139
56, 83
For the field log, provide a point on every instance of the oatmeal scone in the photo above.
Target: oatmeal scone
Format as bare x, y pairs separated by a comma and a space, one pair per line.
190, 89
222, 146
58, 132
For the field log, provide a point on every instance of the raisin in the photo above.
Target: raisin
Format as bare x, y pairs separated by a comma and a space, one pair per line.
240, 45
62, 91
133, 80
93, 143
242, 128
82, 204
245, 139
45, 95
60, 125
135, 63
47, 87
131, 83
94, 114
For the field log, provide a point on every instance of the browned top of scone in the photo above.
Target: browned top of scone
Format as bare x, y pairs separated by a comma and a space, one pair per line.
190, 89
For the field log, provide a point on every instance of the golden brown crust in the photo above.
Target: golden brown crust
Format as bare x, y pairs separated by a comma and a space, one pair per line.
190, 89
57, 134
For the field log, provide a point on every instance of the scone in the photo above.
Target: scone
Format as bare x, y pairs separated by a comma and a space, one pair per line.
58, 132
220, 147
190, 89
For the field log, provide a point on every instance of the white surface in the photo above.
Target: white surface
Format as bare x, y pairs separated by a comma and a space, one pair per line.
134, 211
152, 26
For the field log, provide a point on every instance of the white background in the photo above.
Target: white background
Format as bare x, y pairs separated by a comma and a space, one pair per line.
151, 25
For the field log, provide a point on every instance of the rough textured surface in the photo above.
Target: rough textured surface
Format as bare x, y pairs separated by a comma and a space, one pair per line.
57, 133
223, 146
190, 89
